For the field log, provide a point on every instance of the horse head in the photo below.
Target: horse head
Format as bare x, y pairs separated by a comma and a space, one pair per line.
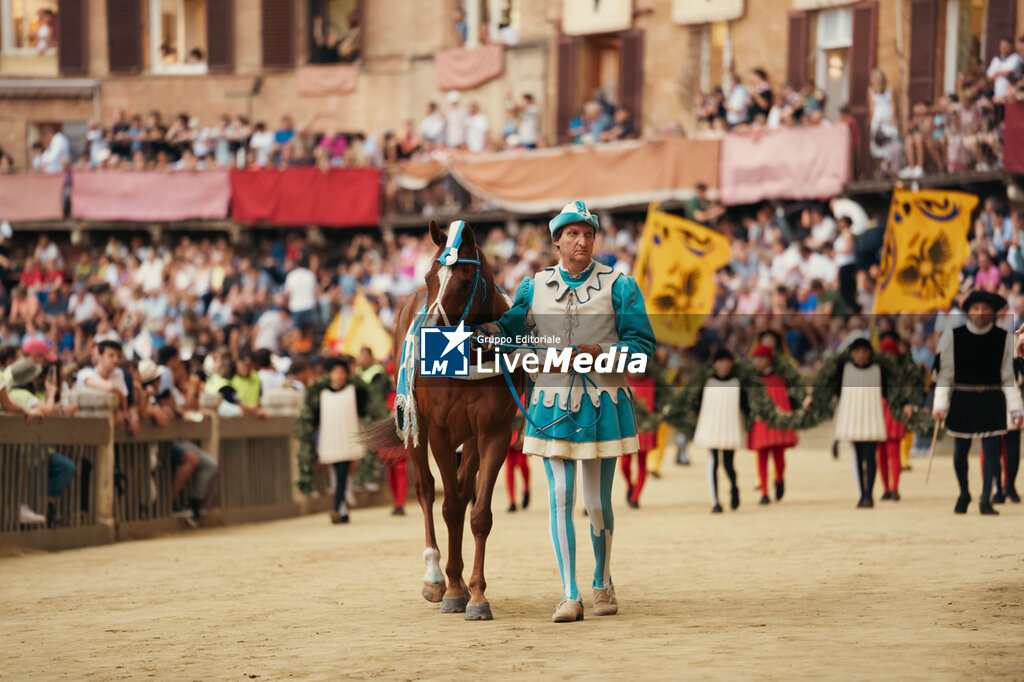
460, 284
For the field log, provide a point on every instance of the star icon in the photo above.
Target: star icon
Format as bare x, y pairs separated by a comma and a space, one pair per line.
455, 338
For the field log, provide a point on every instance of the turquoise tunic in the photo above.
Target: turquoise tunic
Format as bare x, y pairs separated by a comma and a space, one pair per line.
615, 419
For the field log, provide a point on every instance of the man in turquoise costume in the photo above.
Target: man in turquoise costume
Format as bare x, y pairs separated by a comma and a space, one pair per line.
574, 416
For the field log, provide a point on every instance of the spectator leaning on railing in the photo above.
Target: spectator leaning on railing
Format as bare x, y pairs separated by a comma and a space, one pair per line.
23, 376
187, 459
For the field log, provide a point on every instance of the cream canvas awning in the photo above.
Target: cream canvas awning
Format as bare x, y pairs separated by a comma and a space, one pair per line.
821, 4
583, 17
704, 11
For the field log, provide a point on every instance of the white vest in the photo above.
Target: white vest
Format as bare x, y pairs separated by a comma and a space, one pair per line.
859, 415
581, 315
339, 426
720, 423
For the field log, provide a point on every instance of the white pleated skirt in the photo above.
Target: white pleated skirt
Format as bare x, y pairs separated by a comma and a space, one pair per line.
859, 415
720, 424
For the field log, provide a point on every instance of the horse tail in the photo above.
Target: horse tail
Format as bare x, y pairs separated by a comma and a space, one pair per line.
382, 439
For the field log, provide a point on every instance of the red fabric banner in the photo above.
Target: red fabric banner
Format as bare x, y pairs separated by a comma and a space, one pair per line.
790, 163
31, 196
341, 197
150, 196
1013, 141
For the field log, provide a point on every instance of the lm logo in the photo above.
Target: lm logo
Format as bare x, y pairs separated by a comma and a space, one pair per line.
444, 351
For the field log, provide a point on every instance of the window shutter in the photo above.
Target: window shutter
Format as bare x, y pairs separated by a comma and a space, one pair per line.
568, 84
124, 35
999, 24
278, 34
73, 37
796, 63
631, 76
923, 34
220, 35
862, 61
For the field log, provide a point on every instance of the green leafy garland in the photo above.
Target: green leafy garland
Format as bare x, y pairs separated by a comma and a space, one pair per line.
307, 425
682, 410
905, 386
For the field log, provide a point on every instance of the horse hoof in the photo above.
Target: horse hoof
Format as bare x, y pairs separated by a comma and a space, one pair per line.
453, 604
479, 611
433, 592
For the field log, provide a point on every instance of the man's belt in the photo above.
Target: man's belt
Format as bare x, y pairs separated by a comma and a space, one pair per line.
976, 388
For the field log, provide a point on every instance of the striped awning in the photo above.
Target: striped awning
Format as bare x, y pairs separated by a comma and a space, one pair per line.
705, 11
821, 4
48, 88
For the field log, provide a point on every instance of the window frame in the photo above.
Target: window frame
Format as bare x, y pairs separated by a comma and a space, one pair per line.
8, 33
156, 66
830, 43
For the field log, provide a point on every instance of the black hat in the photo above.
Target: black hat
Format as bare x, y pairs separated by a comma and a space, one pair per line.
996, 301
860, 342
335, 361
722, 354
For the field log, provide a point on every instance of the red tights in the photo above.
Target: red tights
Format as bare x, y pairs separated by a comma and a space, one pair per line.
635, 488
516, 460
778, 454
398, 480
889, 464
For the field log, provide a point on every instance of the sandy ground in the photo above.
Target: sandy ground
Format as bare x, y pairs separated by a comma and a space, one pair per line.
810, 587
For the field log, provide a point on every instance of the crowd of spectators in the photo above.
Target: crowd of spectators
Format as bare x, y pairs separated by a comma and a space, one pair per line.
961, 130
158, 324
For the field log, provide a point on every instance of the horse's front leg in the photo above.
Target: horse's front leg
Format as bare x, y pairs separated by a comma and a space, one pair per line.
433, 580
493, 449
454, 510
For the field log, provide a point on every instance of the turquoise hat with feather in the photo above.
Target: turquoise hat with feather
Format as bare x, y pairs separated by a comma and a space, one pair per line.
573, 212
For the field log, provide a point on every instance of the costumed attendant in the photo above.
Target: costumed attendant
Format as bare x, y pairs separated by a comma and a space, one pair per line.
643, 404
517, 460
720, 425
860, 378
908, 379
378, 391
665, 435
1007, 488
590, 308
328, 430
765, 439
975, 392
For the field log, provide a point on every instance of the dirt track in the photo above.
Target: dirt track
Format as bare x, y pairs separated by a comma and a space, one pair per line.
810, 587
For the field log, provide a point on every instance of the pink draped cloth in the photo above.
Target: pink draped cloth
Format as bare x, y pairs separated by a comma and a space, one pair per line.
789, 163
150, 195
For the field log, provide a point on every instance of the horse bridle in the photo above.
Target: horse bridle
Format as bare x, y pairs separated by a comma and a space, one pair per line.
449, 258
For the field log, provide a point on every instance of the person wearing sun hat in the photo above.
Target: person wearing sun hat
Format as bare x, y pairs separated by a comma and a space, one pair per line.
590, 308
59, 469
975, 392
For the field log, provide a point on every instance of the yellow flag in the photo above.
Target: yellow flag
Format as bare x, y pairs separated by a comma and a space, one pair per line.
925, 247
363, 329
675, 269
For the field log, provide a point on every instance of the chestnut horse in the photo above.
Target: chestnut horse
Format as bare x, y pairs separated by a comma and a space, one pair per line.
474, 413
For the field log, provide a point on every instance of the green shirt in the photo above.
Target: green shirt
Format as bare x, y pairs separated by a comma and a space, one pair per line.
247, 388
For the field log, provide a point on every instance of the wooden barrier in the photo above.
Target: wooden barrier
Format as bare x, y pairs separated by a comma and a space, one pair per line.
25, 452
144, 473
122, 484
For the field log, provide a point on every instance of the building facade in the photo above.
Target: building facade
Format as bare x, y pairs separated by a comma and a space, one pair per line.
67, 61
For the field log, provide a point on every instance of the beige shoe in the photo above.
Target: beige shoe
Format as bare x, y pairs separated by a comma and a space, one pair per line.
568, 612
605, 603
